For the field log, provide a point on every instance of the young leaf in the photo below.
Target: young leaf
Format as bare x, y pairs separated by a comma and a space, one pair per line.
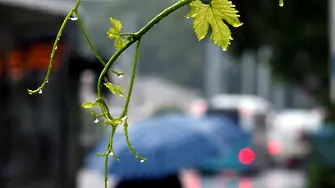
119, 43
114, 33
88, 105
214, 14
115, 89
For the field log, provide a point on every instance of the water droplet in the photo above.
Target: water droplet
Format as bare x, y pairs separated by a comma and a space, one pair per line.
124, 118
187, 17
120, 76
239, 25
111, 153
141, 160
96, 120
47, 81
281, 3
56, 47
73, 17
40, 91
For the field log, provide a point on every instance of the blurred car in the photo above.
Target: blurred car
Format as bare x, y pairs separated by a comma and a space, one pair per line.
287, 136
250, 112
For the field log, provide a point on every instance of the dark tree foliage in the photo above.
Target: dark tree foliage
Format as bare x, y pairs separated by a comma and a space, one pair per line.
298, 32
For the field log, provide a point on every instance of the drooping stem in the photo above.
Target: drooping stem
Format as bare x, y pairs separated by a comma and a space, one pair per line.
125, 108
59, 34
130, 146
88, 40
132, 80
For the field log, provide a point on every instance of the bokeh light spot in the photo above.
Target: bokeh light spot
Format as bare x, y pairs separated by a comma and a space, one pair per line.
246, 156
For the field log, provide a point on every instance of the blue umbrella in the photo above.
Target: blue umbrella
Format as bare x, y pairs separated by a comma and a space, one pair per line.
170, 143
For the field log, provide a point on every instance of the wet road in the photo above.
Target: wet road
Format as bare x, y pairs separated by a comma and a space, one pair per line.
269, 179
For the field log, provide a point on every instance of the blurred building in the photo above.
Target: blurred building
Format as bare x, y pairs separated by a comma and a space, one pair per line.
40, 133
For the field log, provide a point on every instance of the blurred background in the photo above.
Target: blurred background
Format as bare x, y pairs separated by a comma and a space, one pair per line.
276, 82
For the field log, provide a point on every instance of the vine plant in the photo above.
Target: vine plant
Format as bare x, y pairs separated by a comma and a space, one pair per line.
205, 13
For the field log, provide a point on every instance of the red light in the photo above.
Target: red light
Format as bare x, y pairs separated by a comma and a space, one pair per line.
246, 156
245, 183
274, 148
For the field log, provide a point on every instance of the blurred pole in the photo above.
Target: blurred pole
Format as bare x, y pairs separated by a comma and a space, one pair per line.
226, 69
264, 72
279, 95
213, 70
332, 48
231, 74
289, 96
248, 71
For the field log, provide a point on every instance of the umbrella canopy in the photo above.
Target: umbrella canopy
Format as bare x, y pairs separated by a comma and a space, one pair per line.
170, 143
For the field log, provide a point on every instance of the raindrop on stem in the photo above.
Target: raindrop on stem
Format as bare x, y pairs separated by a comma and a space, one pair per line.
73, 17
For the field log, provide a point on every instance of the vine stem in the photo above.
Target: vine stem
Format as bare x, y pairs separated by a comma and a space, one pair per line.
125, 109
110, 149
88, 40
136, 37
132, 79
59, 34
127, 34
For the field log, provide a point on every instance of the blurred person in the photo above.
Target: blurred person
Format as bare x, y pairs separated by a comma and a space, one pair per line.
171, 181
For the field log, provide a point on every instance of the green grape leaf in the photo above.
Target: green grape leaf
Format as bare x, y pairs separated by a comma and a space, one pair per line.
214, 14
114, 33
115, 89
88, 105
